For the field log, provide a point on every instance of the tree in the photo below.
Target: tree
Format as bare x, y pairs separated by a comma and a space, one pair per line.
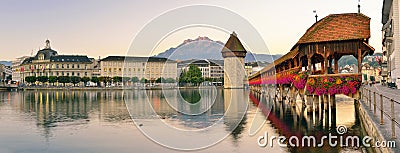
75, 80
85, 79
30, 79
143, 80
64, 79
105, 80
42, 79
52, 79
117, 79
160, 80
95, 80
135, 79
170, 80
193, 75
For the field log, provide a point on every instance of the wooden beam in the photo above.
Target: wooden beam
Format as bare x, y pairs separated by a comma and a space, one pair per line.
359, 59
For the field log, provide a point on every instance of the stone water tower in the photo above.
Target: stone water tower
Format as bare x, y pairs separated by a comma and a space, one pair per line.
234, 54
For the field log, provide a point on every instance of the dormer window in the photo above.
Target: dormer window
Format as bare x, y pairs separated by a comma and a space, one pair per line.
41, 57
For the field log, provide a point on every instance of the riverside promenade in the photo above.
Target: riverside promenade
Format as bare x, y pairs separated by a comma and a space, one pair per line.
382, 104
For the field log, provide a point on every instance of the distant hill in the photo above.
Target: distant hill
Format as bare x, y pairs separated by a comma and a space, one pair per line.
205, 48
6, 63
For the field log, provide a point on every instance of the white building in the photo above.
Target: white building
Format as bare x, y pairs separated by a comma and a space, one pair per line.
16, 68
150, 68
391, 39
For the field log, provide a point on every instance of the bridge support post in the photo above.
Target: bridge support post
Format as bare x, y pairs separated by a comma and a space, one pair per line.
332, 100
309, 103
324, 100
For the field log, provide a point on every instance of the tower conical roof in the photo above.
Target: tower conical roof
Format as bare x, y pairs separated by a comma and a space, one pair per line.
233, 44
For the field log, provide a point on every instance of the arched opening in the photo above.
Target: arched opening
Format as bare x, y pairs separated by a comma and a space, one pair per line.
348, 64
317, 61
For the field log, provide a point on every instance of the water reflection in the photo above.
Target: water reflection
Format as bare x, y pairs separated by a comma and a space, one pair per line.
59, 121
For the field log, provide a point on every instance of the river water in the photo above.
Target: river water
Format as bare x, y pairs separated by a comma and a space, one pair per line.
101, 121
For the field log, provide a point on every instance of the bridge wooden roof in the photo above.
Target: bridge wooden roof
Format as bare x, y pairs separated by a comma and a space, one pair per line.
332, 28
338, 27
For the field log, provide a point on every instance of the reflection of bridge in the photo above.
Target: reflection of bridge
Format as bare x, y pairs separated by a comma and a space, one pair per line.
311, 69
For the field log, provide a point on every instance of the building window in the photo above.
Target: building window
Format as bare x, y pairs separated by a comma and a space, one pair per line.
105, 69
85, 73
119, 69
58, 73
78, 66
67, 66
73, 65
73, 73
78, 74
62, 65
67, 74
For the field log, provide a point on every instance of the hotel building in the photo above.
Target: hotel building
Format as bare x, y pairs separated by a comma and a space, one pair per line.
47, 62
150, 68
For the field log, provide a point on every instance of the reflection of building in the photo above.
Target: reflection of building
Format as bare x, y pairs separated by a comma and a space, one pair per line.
234, 53
16, 68
47, 62
209, 68
2, 72
149, 68
391, 38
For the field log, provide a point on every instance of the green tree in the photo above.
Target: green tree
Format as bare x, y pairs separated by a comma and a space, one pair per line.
143, 80
42, 79
170, 80
75, 80
135, 79
105, 80
160, 80
52, 79
85, 80
30, 79
193, 76
64, 79
117, 79
95, 80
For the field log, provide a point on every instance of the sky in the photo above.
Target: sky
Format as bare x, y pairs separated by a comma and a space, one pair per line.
105, 27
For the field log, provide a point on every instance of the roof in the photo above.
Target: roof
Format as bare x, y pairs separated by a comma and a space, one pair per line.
70, 58
132, 58
338, 27
233, 44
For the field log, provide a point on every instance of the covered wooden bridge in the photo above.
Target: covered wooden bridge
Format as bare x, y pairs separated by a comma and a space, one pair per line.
310, 70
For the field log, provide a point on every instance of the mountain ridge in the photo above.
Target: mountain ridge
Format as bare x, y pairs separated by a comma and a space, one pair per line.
206, 48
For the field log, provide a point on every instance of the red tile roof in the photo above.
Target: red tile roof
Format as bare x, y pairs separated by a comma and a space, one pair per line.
336, 27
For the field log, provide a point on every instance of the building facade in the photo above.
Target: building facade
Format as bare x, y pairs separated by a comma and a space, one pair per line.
47, 62
16, 68
150, 68
234, 70
391, 39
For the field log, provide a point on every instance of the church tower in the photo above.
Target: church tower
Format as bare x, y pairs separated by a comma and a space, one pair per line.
234, 54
